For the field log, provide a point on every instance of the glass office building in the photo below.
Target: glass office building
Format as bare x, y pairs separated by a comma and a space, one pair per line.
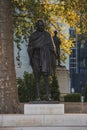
78, 62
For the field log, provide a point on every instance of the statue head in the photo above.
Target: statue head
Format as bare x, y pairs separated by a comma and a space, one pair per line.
55, 32
40, 25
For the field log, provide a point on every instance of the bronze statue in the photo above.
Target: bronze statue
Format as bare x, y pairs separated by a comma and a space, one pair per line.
57, 42
42, 56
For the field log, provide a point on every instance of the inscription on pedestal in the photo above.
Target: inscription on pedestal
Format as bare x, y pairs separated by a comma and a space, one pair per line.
51, 109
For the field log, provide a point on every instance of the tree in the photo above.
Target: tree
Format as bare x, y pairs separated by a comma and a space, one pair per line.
8, 91
25, 13
55, 14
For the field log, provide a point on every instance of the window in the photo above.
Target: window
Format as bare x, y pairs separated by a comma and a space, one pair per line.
82, 63
72, 33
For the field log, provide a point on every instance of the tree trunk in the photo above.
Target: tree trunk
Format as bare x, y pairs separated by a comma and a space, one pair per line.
9, 102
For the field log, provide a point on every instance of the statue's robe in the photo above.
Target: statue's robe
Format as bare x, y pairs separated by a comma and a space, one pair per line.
57, 43
41, 52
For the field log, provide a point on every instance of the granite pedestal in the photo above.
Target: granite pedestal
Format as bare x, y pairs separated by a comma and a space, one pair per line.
43, 117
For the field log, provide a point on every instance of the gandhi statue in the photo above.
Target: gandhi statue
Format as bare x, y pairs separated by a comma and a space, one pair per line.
41, 50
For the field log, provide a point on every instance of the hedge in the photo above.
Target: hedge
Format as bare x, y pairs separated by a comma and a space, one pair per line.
75, 97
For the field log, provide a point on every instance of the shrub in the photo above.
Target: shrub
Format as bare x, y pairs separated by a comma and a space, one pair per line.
75, 97
26, 88
55, 93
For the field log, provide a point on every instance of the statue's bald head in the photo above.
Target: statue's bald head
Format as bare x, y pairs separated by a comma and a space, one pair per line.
55, 32
40, 25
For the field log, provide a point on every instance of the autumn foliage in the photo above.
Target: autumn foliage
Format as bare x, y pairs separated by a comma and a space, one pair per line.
57, 14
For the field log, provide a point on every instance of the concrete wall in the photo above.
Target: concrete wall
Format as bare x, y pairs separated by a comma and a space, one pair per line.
24, 61
75, 107
43, 122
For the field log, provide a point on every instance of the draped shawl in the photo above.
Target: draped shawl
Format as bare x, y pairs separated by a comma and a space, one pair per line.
41, 52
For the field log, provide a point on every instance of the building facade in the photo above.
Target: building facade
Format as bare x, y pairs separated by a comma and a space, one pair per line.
78, 62
24, 63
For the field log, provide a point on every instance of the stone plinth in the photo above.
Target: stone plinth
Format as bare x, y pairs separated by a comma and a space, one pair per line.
62, 120
44, 128
43, 117
47, 109
63, 80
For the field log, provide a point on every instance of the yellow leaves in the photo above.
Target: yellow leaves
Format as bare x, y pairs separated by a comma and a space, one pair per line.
20, 2
24, 8
62, 7
27, 25
66, 44
18, 31
54, 14
78, 30
49, 7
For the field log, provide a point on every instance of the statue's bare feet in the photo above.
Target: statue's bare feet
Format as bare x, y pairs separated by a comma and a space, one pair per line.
48, 98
